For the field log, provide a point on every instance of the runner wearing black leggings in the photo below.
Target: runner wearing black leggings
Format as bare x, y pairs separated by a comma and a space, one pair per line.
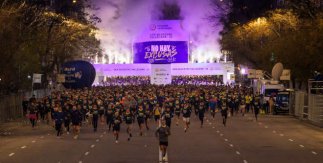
95, 117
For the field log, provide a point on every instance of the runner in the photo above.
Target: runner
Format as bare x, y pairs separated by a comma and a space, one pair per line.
128, 118
186, 116
201, 111
95, 117
101, 110
212, 106
167, 116
256, 105
67, 119
140, 118
236, 104
32, 114
76, 118
178, 108
163, 132
116, 125
224, 113
231, 105
243, 107
147, 108
109, 115
59, 118
248, 99
157, 112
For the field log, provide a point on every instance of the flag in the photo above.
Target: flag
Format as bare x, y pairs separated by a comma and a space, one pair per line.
61, 78
37, 78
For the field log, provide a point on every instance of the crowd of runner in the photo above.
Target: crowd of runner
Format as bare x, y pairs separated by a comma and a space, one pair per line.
197, 80
140, 104
178, 80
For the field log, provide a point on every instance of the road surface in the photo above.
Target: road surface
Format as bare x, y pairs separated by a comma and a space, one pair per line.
270, 139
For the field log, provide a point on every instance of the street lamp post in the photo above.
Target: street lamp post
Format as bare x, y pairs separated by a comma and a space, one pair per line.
225, 54
32, 84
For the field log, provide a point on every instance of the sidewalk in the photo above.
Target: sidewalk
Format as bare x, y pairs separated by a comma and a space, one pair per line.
20, 126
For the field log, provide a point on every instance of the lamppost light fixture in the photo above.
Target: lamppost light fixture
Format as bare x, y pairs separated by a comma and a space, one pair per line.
243, 71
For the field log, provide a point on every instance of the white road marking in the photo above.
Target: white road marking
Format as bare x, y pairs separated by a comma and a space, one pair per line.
86, 153
225, 139
314, 153
11, 154
245, 161
302, 146
34, 141
231, 145
23, 147
237, 152
161, 157
290, 139
92, 146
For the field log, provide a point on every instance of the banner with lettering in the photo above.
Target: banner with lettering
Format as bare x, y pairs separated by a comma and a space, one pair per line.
161, 52
161, 74
78, 74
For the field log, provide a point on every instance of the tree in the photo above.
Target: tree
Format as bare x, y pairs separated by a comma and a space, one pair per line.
37, 40
230, 12
170, 11
296, 42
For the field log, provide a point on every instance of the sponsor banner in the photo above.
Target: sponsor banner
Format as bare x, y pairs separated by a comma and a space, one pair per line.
232, 77
177, 69
78, 74
37, 78
259, 74
285, 75
251, 73
163, 30
161, 52
110, 70
198, 69
161, 74
60, 78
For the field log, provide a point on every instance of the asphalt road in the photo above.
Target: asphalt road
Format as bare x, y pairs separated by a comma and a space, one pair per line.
272, 139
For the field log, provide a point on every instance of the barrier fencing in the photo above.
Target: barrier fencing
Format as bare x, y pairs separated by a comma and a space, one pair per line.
11, 105
308, 107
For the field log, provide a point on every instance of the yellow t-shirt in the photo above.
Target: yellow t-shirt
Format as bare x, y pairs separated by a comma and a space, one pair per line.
248, 99
157, 112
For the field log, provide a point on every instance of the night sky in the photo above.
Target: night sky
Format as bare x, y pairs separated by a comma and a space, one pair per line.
122, 20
